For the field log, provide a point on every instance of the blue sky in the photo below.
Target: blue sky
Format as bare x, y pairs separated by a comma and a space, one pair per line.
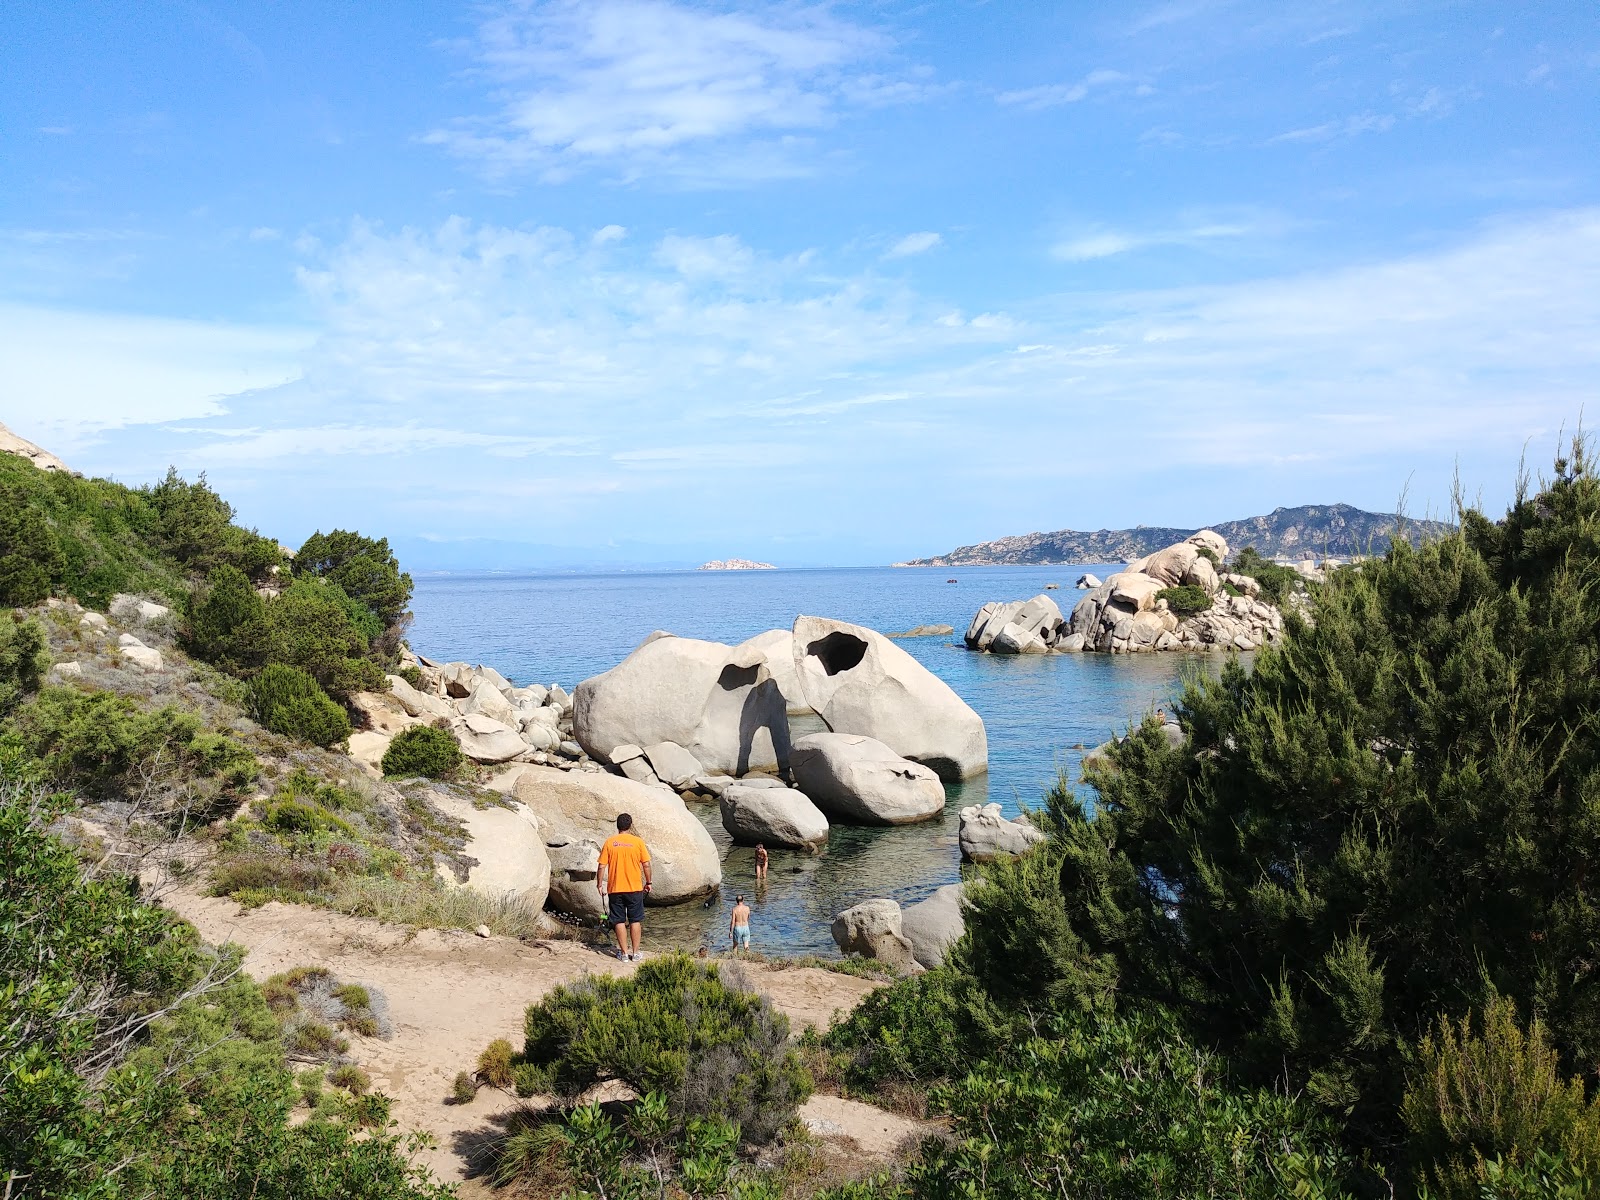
639, 281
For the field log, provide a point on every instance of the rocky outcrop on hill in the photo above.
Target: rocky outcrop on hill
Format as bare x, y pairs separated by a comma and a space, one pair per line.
10, 443
1133, 611
1310, 529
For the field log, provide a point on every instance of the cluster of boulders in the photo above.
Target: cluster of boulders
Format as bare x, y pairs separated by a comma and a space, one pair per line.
492, 719
1127, 614
710, 720
918, 935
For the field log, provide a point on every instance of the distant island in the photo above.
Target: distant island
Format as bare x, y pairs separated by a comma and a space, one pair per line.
1307, 531
736, 564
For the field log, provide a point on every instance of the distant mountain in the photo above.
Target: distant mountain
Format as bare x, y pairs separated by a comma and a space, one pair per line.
1311, 529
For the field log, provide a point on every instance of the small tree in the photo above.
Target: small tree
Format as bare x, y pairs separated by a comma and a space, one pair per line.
30, 558
363, 567
23, 659
423, 750
288, 701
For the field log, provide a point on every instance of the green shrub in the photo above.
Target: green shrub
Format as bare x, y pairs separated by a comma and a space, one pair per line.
412, 675
675, 1027
1127, 1109
423, 750
314, 626
1278, 583
24, 658
920, 1029
109, 746
1210, 555
195, 526
494, 1064
529, 1080
288, 701
1186, 600
351, 1078
30, 556
227, 622
464, 1089
1495, 1093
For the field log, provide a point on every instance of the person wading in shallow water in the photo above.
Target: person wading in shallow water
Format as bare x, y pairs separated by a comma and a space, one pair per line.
624, 872
739, 924
761, 861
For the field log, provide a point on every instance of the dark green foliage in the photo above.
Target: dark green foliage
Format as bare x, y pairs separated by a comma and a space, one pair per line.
108, 745
675, 1027
113, 1085
1487, 1092
412, 675
1391, 817
288, 701
313, 626
1124, 1109
423, 750
30, 556
1277, 583
916, 1030
195, 527
1185, 600
364, 568
23, 659
1210, 555
227, 622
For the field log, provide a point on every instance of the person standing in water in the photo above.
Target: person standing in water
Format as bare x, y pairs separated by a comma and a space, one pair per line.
624, 873
761, 862
739, 924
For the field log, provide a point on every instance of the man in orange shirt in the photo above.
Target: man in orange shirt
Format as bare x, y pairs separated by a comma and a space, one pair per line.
624, 872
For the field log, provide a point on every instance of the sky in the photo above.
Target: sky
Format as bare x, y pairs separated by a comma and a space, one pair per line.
612, 282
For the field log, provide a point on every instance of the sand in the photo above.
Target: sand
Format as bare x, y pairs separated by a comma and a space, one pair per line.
451, 993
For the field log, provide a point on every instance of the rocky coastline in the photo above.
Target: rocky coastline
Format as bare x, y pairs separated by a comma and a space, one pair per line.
1179, 598
735, 564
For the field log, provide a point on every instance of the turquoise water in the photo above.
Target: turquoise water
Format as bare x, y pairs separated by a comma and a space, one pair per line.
1040, 711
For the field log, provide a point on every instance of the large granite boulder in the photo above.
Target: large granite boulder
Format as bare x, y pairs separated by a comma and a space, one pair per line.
577, 811
776, 647
988, 621
487, 700
985, 834
933, 925
860, 779
775, 816
417, 704
873, 929
860, 682
719, 703
485, 740
673, 765
507, 844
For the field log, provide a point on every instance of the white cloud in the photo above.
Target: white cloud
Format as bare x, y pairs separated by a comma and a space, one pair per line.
609, 233
1328, 131
914, 243
637, 83
1104, 243
482, 381
1052, 95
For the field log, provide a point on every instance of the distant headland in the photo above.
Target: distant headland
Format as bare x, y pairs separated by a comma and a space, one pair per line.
736, 564
1307, 531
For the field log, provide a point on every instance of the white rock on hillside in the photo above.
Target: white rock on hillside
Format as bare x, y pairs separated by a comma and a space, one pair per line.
860, 779
873, 929
508, 844
860, 682
485, 740
415, 703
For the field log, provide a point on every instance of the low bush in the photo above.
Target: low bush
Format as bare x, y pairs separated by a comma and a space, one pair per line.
110, 746
1278, 583
1186, 600
423, 750
675, 1027
918, 1030
412, 675
30, 556
288, 701
494, 1064
23, 659
1487, 1092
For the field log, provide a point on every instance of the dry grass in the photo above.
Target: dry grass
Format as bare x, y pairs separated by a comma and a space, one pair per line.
432, 905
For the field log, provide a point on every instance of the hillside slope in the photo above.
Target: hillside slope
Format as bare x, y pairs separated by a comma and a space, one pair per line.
1338, 529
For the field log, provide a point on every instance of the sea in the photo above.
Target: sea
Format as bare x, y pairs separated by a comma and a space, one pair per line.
1043, 713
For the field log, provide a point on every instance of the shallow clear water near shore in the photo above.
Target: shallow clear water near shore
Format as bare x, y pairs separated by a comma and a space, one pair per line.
1040, 711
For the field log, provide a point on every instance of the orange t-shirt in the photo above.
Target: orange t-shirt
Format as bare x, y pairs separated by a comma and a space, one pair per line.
623, 856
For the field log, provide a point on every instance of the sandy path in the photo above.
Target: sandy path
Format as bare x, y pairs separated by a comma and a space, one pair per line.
451, 993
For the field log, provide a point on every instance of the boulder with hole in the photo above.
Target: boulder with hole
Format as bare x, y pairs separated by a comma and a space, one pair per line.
860, 682
720, 703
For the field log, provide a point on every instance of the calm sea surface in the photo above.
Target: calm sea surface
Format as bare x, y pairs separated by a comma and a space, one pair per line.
1040, 711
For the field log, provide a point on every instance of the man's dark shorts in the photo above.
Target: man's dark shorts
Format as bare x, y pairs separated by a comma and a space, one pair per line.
627, 908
